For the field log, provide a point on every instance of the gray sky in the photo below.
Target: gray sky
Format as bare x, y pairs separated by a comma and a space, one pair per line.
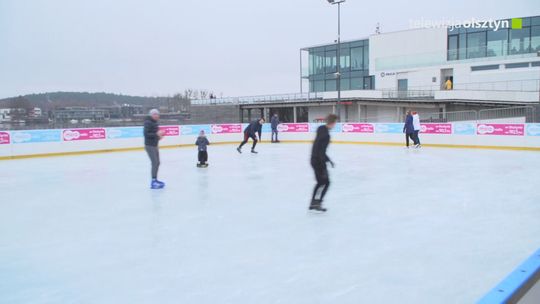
160, 47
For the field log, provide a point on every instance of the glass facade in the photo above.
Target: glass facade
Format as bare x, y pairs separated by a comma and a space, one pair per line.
468, 43
353, 63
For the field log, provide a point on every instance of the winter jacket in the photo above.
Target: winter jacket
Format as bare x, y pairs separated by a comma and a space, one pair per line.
408, 127
318, 151
253, 128
151, 128
202, 142
274, 122
416, 122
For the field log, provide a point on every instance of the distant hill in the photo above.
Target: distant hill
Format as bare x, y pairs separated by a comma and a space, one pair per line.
83, 99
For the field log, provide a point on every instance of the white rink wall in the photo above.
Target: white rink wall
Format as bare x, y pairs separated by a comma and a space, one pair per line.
27, 143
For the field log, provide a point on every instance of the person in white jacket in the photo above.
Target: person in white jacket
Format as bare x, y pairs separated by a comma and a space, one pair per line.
416, 125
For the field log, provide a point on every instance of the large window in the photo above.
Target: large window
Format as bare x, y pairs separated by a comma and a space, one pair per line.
357, 58
453, 46
357, 83
497, 42
318, 63
520, 41
330, 62
476, 45
345, 59
535, 38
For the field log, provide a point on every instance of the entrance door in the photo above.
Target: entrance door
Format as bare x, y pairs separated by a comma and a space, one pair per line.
447, 74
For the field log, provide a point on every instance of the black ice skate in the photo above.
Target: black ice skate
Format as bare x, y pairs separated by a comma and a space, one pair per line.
239, 150
316, 205
253, 151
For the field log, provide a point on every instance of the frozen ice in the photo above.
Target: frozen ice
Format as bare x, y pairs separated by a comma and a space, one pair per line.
404, 226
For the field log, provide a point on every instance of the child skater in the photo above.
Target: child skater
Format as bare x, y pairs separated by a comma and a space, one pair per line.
202, 144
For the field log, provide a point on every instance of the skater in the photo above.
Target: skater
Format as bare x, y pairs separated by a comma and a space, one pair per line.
408, 128
274, 122
318, 162
250, 132
202, 144
417, 127
152, 136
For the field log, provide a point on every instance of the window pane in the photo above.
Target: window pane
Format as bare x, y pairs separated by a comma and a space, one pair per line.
318, 86
318, 63
520, 41
476, 45
535, 38
357, 83
357, 55
345, 84
366, 57
462, 46
330, 62
497, 42
368, 83
331, 85
453, 47
345, 59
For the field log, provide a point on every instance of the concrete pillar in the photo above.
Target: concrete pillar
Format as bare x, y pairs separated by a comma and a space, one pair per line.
334, 109
294, 114
249, 115
359, 118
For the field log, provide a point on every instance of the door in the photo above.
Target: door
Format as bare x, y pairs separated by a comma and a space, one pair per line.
402, 85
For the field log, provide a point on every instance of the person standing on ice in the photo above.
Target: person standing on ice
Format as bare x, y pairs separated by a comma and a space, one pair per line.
274, 122
152, 136
318, 162
202, 144
251, 131
408, 128
417, 127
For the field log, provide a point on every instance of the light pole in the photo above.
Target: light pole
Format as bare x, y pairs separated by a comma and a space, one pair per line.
338, 53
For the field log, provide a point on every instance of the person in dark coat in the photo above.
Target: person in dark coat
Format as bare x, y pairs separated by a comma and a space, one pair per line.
251, 131
408, 129
274, 122
319, 158
152, 136
202, 146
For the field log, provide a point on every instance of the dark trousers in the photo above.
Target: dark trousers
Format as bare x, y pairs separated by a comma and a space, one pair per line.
246, 138
416, 137
153, 154
203, 157
411, 136
274, 132
323, 181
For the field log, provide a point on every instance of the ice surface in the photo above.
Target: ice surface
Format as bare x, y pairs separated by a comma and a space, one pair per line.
428, 226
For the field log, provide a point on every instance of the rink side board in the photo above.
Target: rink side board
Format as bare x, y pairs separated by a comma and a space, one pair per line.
521, 286
63, 142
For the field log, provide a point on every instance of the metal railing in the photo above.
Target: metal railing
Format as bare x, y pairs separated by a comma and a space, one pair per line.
508, 115
291, 97
408, 94
449, 116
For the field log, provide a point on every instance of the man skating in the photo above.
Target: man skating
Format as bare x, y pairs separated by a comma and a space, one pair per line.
318, 162
152, 136
251, 131
274, 122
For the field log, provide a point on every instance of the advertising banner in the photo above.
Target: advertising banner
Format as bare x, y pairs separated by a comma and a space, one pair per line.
533, 129
501, 129
358, 128
4, 138
36, 136
314, 126
170, 130
226, 128
293, 127
195, 129
463, 128
394, 128
83, 134
127, 132
436, 128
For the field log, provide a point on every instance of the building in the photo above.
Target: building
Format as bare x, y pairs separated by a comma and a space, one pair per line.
79, 114
445, 73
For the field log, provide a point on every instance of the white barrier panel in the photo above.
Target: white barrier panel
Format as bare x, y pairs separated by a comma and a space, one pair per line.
465, 134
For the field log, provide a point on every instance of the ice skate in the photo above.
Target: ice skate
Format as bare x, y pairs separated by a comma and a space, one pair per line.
157, 184
418, 146
239, 150
316, 205
253, 151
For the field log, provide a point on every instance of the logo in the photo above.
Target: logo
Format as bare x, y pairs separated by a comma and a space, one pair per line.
217, 129
71, 135
484, 129
517, 23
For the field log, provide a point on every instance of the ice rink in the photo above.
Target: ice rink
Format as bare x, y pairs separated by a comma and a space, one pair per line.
404, 226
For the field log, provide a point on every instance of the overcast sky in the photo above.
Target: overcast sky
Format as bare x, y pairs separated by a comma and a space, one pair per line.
160, 47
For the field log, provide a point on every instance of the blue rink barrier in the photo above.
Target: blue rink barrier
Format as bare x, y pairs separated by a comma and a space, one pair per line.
521, 286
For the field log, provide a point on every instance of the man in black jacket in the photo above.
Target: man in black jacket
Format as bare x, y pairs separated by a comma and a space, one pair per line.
250, 132
152, 136
318, 162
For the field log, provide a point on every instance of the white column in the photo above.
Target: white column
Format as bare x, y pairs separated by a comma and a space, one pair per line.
294, 114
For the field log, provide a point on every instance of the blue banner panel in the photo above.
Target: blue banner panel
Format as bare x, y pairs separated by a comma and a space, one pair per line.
195, 129
36, 136
394, 128
463, 128
533, 129
127, 132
